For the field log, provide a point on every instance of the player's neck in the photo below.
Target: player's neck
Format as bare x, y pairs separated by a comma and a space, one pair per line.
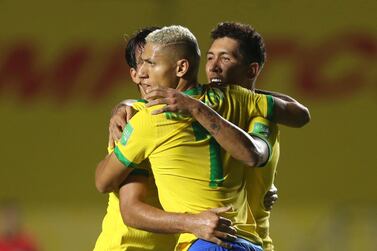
184, 85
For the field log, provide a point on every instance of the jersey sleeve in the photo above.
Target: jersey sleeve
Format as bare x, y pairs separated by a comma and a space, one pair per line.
261, 105
263, 129
143, 168
137, 140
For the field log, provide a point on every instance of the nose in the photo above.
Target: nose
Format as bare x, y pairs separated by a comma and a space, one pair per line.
214, 66
142, 71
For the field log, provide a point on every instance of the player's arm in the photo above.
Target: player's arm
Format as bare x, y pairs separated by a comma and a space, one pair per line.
110, 173
136, 213
239, 144
291, 114
128, 152
288, 111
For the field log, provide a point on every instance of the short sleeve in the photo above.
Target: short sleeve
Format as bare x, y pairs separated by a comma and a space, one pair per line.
263, 129
262, 105
137, 140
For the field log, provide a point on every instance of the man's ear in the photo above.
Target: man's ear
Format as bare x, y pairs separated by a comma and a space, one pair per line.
183, 66
253, 70
134, 77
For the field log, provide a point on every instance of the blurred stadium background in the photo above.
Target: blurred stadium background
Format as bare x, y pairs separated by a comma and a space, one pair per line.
62, 70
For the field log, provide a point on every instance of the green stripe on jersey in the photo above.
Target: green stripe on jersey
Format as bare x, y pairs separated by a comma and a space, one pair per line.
216, 169
142, 101
270, 107
216, 176
123, 159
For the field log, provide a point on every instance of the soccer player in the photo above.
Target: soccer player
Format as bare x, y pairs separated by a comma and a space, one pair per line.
115, 234
237, 55
155, 68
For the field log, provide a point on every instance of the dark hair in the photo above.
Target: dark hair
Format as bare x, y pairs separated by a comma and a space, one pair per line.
137, 41
251, 43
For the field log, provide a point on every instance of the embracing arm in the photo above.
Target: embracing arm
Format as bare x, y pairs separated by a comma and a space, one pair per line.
289, 111
110, 173
136, 213
240, 145
251, 150
291, 114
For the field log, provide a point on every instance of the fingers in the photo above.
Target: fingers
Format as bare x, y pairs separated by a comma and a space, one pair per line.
117, 121
270, 200
156, 92
273, 189
111, 143
117, 133
221, 242
159, 111
158, 101
224, 236
226, 229
225, 221
220, 210
166, 108
116, 128
130, 112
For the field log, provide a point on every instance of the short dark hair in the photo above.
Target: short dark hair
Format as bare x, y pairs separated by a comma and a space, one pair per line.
251, 43
137, 41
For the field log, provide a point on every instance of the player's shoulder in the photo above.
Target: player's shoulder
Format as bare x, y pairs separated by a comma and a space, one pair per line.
235, 89
137, 104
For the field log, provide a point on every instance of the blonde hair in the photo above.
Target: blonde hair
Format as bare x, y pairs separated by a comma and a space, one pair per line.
174, 35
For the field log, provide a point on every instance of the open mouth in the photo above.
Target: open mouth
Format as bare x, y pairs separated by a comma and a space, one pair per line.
216, 81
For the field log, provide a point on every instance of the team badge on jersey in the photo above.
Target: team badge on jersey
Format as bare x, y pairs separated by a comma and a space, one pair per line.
261, 129
126, 134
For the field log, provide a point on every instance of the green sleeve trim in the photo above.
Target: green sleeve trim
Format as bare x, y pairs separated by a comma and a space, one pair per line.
142, 101
123, 159
141, 172
270, 107
268, 145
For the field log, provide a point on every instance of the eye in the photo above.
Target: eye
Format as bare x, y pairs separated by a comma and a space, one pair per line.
225, 59
209, 57
149, 62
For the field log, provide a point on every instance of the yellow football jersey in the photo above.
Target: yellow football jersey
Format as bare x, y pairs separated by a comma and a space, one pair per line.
191, 170
260, 180
116, 236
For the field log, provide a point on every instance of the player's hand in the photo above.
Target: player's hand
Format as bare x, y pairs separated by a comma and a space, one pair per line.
270, 198
210, 226
174, 100
117, 122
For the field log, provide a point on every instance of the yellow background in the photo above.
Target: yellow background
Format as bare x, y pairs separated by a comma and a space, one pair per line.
51, 139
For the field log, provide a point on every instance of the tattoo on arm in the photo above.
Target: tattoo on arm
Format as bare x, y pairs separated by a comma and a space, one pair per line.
215, 128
